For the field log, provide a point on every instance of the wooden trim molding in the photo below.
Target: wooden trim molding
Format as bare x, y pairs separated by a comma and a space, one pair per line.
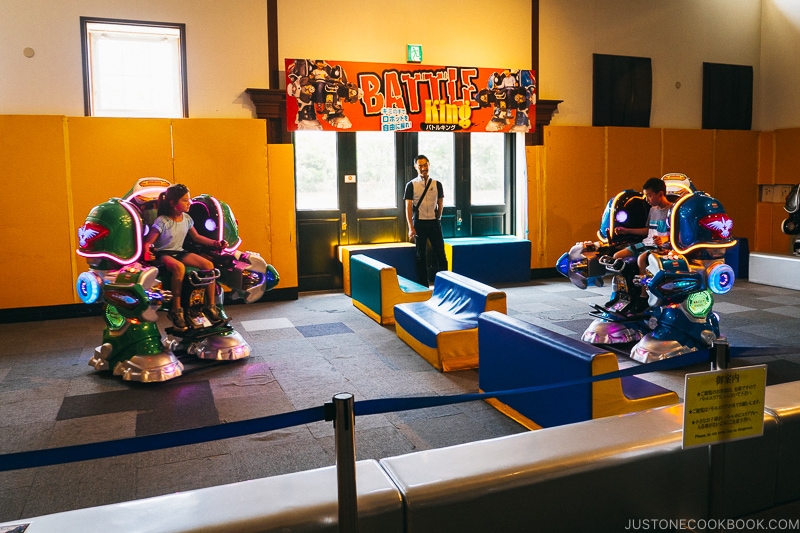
271, 105
545, 109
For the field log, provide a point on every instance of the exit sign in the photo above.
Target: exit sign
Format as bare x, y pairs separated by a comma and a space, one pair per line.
414, 53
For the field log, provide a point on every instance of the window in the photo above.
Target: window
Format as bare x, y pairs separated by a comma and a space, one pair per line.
439, 148
315, 169
727, 96
622, 91
375, 169
487, 169
133, 69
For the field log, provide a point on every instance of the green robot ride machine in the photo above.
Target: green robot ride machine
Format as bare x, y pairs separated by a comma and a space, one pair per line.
133, 291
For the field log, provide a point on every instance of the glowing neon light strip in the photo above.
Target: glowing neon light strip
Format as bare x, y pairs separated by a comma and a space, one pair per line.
138, 232
146, 191
679, 186
221, 227
694, 246
611, 220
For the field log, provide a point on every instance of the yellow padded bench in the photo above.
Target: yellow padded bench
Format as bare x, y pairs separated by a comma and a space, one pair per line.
376, 288
444, 329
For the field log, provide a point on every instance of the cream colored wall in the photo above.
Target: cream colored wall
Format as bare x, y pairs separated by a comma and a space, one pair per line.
467, 33
678, 35
226, 45
780, 70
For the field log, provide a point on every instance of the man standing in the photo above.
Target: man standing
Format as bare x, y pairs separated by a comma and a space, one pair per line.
424, 198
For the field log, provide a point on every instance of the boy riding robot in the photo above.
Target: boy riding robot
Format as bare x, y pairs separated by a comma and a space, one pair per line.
667, 305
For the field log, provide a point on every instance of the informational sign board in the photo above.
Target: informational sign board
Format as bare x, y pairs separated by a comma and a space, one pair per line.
724, 405
330, 95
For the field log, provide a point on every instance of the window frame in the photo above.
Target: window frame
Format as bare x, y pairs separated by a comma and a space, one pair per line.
86, 60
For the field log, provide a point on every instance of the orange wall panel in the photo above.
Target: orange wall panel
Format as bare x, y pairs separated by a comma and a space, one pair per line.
690, 152
766, 157
787, 155
634, 155
735, 176
764, 228
534, 160
282, 202
227, 158
108, 155
574, 188
35, 220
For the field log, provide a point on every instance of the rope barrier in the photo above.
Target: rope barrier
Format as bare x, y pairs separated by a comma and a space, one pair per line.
113, 448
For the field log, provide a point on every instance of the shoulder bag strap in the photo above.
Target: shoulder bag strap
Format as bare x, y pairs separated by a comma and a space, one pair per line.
416, 207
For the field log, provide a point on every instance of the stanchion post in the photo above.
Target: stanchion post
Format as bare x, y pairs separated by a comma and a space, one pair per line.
344, 429
721, 352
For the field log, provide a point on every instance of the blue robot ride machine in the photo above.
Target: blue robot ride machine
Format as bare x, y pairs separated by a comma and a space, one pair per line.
668, 308
132, 291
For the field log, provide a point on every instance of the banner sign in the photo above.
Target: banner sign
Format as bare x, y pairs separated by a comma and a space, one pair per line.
340, 95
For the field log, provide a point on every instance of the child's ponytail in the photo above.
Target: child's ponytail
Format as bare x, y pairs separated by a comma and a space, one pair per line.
164, 209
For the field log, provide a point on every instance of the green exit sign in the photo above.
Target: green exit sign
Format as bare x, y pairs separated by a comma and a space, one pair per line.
414, 53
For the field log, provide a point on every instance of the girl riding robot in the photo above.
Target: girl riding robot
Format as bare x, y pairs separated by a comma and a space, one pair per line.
186, 279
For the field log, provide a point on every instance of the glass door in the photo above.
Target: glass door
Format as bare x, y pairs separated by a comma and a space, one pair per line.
347, 193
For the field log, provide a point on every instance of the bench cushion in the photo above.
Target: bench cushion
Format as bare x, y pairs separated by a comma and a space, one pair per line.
443, 329
401, 255
516, 354
492, 259
376, 288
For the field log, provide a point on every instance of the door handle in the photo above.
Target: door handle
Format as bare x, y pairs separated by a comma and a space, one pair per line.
344, 222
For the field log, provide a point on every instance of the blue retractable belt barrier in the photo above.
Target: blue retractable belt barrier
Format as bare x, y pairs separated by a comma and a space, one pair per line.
99, 450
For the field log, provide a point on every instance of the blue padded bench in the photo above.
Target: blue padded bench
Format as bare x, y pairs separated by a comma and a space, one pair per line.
516, 354
495, 259
444, 329
376, 288
401, 255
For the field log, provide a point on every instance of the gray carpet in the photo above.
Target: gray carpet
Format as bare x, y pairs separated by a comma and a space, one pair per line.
304, 352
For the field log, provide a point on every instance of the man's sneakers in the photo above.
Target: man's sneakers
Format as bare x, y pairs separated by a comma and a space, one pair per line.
178, 319
215, 313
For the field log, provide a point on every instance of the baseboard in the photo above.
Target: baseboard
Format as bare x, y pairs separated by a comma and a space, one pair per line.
58, 312
545, 273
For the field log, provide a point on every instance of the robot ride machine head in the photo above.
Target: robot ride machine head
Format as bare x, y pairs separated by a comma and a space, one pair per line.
627, 209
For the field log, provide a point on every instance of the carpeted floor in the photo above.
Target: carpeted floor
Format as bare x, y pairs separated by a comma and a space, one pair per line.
304, 352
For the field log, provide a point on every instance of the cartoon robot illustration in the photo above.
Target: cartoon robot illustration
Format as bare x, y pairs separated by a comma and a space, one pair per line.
321, 90
510, 93
674, 316
791, 225
132, 291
